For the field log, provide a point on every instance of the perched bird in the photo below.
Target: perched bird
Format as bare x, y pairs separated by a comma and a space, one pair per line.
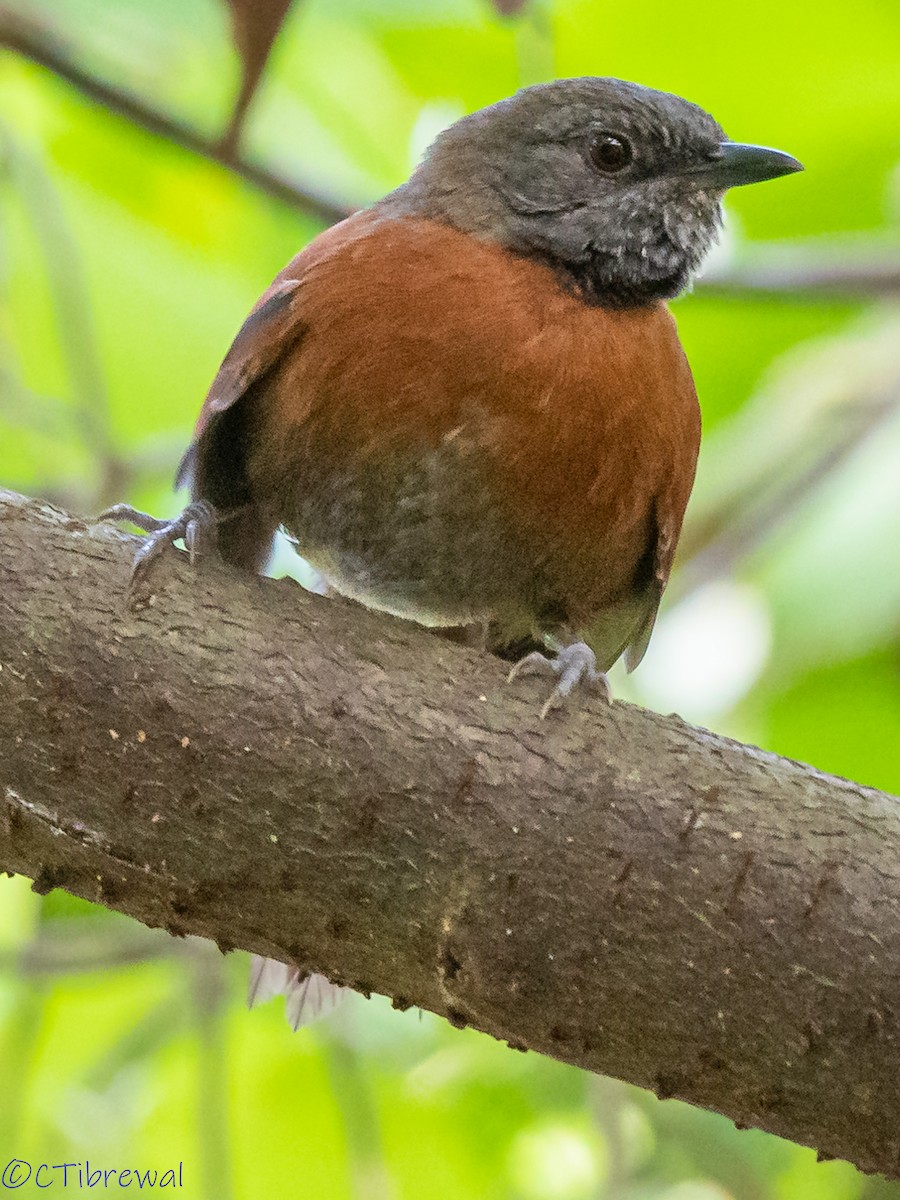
467, 404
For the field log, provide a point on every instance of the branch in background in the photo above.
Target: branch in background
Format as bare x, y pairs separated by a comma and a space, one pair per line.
862, 269
82, 951
815, 273
37, 44
737, 528
304, 778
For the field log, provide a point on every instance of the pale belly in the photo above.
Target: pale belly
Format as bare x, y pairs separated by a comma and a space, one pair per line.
419, 539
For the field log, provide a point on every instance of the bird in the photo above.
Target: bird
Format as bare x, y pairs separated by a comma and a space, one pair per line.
467, 404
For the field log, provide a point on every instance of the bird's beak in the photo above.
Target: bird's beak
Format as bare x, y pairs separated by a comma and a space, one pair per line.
736, 164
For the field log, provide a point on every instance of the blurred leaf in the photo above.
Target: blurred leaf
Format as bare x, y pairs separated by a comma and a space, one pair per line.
509, 8
556, 1160
255, 25
844, 717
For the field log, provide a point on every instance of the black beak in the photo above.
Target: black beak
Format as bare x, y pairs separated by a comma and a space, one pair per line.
736, 164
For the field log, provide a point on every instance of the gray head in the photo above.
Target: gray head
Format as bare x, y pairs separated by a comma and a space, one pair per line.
617, 186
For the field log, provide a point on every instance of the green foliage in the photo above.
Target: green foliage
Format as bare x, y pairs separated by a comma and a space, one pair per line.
126, 264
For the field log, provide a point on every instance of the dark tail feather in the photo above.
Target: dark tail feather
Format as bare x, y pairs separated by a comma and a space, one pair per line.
213, 469
244, 538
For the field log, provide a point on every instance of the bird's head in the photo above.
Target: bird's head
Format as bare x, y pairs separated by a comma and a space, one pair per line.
616, 186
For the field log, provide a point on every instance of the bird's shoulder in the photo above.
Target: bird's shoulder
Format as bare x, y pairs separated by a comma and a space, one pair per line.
275, 322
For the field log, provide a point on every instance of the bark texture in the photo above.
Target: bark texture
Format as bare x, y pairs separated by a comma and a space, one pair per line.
297, 776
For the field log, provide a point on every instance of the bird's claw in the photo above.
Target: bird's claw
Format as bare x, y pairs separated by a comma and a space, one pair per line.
574, 665
195, 526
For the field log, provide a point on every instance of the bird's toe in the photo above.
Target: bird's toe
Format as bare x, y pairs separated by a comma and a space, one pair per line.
574, 665
195, 526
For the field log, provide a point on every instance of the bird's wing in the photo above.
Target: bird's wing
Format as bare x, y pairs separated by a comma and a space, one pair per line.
663, 543
217, 465
270, 332
625, 627
272, 329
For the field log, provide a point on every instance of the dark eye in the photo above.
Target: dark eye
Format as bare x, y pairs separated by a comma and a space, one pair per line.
610, 153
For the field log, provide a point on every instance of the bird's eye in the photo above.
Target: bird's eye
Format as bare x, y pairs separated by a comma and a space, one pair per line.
610, 152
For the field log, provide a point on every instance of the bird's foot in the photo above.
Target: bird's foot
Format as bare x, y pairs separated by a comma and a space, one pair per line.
574, 665
196, 527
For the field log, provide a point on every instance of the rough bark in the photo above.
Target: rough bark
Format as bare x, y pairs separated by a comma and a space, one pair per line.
297, 776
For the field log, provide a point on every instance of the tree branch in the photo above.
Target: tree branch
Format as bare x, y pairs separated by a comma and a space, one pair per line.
860, 268
300, 777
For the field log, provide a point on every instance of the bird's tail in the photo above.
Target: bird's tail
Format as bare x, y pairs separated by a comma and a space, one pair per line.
306, 996
215, 472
